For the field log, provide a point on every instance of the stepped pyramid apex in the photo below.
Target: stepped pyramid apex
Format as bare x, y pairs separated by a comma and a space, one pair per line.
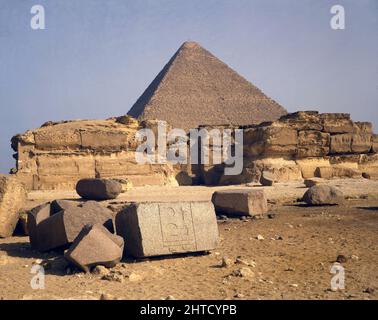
195, 88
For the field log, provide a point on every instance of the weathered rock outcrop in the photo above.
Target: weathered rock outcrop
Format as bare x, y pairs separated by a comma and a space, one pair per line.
12, 199
58, 155
323, 195
300, 145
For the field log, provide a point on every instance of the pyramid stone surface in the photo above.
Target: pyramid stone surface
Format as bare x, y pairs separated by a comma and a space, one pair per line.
196, 88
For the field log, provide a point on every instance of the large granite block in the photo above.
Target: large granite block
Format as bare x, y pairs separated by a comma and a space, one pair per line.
159, 228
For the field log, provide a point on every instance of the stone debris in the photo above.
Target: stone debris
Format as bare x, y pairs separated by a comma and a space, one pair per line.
98, 189
100, 270
94, 246
244, 272
114, 277
366, 175
125, 183
135, 277
354, 257
267, 178
49, 230
248, 263
12, 200
323, 195
369, 290
260, 237
226, 262
107, 296
310, 182
158, 228
341, 259
271, 215
240, 202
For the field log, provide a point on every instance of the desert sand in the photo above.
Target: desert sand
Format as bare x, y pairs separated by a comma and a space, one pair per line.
292, 260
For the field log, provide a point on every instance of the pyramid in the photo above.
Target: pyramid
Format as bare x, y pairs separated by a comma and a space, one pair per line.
196, 88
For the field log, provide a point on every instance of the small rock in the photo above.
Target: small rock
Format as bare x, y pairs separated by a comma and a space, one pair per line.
341, 258
366, 175
323, 195
290, 269
267, 179
100, 270
354, 257
226, 262
294, 285
106, 296
239, 295
170, 298
271, 215
113, 277
244, 273
135, 277
369, 290
260, 237
313, 182
239, 260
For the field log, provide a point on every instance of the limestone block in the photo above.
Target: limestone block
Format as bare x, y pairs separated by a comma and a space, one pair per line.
12, 200
361, 143
375, 143
240, 202
58, 139
338, 126
341, 143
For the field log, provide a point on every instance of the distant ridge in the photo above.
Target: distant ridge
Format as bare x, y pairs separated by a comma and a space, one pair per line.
196, 88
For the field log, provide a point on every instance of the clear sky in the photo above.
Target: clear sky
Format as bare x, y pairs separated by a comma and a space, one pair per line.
96, 57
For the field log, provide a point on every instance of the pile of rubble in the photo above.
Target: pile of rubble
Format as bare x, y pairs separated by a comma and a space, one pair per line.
90, 234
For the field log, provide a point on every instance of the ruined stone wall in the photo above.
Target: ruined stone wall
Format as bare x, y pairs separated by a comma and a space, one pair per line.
297, 146
303, 145
57, 155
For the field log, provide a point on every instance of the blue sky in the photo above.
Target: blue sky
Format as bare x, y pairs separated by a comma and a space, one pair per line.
96, 57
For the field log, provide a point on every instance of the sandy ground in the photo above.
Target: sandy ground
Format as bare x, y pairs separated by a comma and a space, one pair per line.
292, 261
